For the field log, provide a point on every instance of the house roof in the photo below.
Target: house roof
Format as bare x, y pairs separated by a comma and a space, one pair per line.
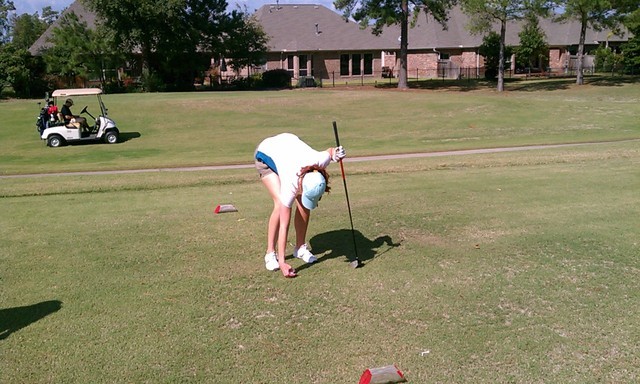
568, 33
309, 28
292, 28
76, 7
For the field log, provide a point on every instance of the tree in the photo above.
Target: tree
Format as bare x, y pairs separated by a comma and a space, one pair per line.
247, 43
597, 14
630, 9
26, 29
48, 15
533, 46
391, 12
607, 60
483, 15
5, 8
23, 72
175, 38
80, 51
490, 49
631, 53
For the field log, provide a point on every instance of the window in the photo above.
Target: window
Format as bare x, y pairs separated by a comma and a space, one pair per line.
302, 63
344, 65
355, 64
368, 64
290, 65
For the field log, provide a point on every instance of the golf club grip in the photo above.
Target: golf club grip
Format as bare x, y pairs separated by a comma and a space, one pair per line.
335, 132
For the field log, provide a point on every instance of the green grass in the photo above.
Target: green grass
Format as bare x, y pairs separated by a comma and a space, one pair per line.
509, 267
190, 129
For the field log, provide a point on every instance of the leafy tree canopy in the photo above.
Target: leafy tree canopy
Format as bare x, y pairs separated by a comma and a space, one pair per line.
21, 71
490, 50
5, 8
484, 14
175, 37
533, 45
381, 13
80, 51
597, 14
631, 49
247, 43
26, 29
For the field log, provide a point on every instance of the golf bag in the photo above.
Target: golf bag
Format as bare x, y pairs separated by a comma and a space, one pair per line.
42, 122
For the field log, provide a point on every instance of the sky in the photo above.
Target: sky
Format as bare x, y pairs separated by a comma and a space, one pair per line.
32, 6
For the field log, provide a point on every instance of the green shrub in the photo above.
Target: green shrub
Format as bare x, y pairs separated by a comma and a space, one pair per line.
276, 78
606, 59
152, 82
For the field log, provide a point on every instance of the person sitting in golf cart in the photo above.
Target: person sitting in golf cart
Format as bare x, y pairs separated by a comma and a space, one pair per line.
70, 120
53, 112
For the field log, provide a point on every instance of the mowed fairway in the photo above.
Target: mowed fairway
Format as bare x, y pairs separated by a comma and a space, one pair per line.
491, 268
192, 129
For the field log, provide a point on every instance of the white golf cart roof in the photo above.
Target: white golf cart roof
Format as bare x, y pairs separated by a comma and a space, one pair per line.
76, 92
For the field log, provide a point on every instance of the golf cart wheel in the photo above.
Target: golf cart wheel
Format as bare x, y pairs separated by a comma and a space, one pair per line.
55, 141
111, 137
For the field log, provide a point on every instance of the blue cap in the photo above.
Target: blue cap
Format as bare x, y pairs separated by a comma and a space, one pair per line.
313, 186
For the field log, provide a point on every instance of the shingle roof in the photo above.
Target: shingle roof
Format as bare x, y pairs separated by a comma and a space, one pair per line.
83, 15
292, 28
427, 33
564, 34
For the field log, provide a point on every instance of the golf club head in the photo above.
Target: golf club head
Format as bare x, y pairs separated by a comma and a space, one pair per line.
355, 264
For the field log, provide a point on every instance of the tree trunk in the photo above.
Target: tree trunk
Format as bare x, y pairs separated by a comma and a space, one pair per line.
404, 43
503, 33
146, 58
583, 32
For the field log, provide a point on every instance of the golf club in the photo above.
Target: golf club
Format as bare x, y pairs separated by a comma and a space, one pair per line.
356, 262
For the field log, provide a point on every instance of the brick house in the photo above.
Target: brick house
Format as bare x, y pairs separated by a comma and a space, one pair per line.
312, 40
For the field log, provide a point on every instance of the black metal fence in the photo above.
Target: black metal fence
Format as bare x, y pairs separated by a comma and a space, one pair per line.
385, 76
462, 74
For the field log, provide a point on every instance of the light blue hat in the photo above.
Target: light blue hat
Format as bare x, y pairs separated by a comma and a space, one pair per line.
313, 186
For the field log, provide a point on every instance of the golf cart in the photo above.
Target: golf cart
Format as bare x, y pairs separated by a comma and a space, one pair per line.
56, 133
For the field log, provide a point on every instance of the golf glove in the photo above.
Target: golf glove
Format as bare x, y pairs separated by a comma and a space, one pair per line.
339, 153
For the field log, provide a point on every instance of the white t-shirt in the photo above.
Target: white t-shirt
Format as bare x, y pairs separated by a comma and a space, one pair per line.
290, 154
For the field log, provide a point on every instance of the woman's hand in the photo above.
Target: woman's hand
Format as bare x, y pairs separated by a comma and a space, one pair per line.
287, 270
338, 154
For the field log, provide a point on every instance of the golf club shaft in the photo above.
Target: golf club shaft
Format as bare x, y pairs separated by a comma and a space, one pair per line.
346, 192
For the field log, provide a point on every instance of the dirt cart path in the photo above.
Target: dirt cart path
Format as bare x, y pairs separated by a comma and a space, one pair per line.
348, 159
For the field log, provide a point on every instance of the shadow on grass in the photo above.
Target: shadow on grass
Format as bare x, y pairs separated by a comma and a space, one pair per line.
14, 319
468, 85
515, 84
339, 243
445, 85
123, 137
126, 136
611, 81
554, 84
540, 85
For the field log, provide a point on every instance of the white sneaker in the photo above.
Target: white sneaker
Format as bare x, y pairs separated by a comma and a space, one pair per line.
271, 261
304, 254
